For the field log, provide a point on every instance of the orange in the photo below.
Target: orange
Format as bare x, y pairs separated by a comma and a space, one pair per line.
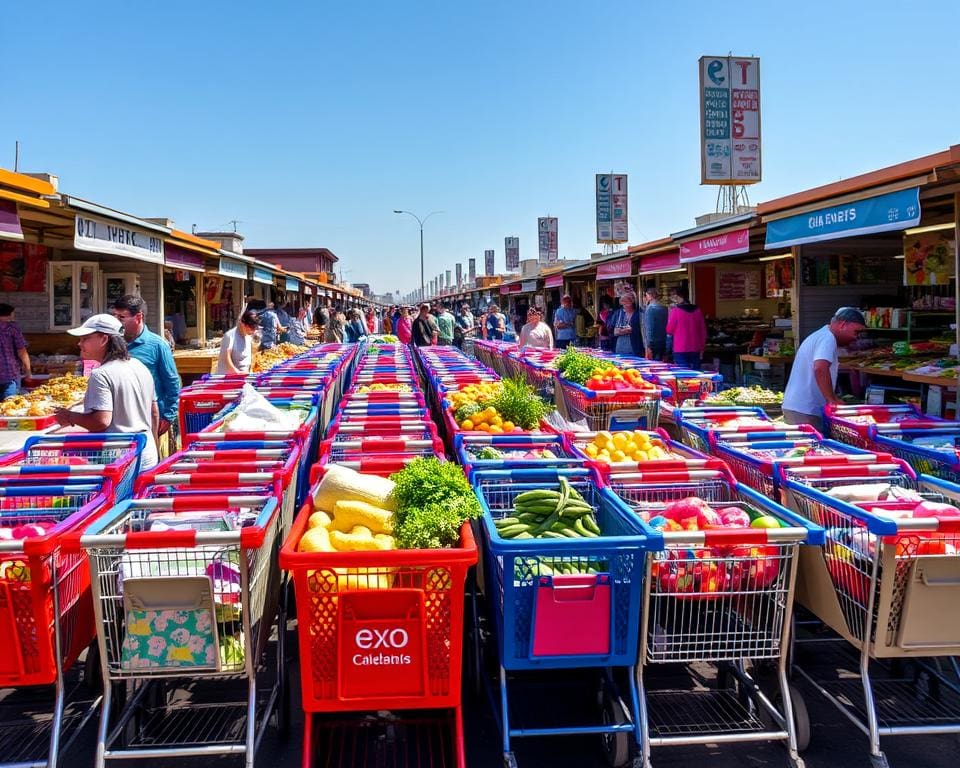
466, 424
508, 426
496, 421
481, 427
496, 429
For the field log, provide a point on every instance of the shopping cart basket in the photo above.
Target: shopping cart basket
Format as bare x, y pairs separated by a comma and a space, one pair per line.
724, 597
115, 457
852, 423
564, 604
930, 451
186, 587
46, 618
695, 424
887, 580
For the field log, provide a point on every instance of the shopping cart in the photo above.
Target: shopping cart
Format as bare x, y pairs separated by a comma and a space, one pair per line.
930, 451
755, 462
853, 423
478, 452
380, 630
888, 584
46, 620
678, 456
186, 588
613, 410
114, 457
696, 424
723, 597
564, 604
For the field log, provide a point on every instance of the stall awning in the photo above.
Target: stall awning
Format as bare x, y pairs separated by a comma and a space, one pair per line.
715, 246
554, 281
292, 285
176, 257
9, 221
882, 213
660, 262
231, 268
118, 237
264, 276
614, 270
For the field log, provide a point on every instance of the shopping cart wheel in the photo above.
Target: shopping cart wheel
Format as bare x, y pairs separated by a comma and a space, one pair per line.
801, 717
509, 761
879, 761
616, 746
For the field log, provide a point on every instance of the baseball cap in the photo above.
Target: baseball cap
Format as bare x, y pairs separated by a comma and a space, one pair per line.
850, 315
107, 324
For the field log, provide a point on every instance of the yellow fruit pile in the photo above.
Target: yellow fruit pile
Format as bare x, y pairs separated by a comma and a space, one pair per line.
267, 358
61, 391
475, 393
626, 446
487, 420
396, 387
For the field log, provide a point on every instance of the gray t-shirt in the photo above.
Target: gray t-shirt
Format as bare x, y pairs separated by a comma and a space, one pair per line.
125, 389
240, 349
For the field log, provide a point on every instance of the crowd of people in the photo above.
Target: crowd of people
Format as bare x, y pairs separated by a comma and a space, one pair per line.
135, 387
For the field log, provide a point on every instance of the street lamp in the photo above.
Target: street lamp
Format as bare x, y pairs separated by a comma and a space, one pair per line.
421, 222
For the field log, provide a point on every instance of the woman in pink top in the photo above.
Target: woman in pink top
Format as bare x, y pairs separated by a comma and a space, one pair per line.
686, 326
404, 327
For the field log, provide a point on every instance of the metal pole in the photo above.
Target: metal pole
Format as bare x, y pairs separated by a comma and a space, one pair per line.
422, 285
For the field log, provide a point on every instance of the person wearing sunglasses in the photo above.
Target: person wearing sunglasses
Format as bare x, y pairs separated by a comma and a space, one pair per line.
536, 333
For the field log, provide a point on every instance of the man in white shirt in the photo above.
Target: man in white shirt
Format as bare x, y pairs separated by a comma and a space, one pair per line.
813, 379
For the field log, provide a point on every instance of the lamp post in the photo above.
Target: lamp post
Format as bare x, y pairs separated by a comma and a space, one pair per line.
421, 222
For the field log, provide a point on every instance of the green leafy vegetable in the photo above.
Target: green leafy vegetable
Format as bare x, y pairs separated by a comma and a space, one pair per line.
517, 402
466, 411
433, 500
579, 366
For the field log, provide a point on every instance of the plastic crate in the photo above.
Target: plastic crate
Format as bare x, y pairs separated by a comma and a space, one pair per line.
379, 630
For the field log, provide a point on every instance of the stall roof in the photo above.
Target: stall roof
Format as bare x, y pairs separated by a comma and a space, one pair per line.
912, 168
662, 244
729, 221
101, 210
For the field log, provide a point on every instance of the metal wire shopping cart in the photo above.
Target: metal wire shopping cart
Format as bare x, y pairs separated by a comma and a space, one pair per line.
563, 604
887, 581
930, 451
46, 620
723, 597
613, 410
115, 457
186, 591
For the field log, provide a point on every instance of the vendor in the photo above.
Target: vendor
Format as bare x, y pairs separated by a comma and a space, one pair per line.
813, 380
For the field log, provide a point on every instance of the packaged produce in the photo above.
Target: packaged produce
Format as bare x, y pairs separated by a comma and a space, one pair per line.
755, 395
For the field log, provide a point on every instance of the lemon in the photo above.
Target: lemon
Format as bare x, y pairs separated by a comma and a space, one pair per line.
630, 448
315, 540
618, 456
591, 450
603, 439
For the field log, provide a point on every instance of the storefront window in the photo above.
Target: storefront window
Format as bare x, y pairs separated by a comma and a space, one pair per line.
180, 304
220, 298
73, 293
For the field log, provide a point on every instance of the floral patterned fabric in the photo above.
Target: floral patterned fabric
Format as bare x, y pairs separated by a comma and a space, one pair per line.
170, 638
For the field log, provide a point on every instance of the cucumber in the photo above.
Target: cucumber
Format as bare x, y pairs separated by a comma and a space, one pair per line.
582, 529
512, 530
524, 535
551, 535
504, 522
590, 523
530, 517
537, 495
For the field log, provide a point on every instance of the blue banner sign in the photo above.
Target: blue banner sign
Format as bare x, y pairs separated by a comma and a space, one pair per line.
883, 213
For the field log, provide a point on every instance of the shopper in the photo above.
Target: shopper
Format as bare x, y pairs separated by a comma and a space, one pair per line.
387, 321
425, 331
321, 319
14, 359
654, 326
284, 320
496, 323
813, 379
536, 333
624, 326
445, 325
168, 335
154, 353
270, 327
586, 327
404, 325
464, 328
603, 324
354, 331
236, 346
565, 322
120, 395
688, 329
297, 330
371, 321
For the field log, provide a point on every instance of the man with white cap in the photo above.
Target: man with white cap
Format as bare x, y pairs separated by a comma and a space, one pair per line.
120, 392
813, 380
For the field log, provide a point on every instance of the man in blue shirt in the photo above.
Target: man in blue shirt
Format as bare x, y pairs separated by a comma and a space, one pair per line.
154, 352
565, 323
270, 327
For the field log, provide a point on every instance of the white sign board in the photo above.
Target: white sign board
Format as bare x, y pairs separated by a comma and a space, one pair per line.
116, 238
547, 229
729, 120
612, 208
512, 250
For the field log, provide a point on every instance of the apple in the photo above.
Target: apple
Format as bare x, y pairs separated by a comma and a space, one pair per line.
734, 517
765, 521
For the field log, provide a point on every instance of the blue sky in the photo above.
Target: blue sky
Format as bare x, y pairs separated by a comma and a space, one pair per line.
310, 122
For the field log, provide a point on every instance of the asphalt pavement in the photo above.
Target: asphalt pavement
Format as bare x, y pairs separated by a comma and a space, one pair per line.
415, 739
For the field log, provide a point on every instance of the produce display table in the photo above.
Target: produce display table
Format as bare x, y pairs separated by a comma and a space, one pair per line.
772, 360
195, 361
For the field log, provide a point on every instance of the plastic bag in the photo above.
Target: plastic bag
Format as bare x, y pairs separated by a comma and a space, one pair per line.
254, 413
